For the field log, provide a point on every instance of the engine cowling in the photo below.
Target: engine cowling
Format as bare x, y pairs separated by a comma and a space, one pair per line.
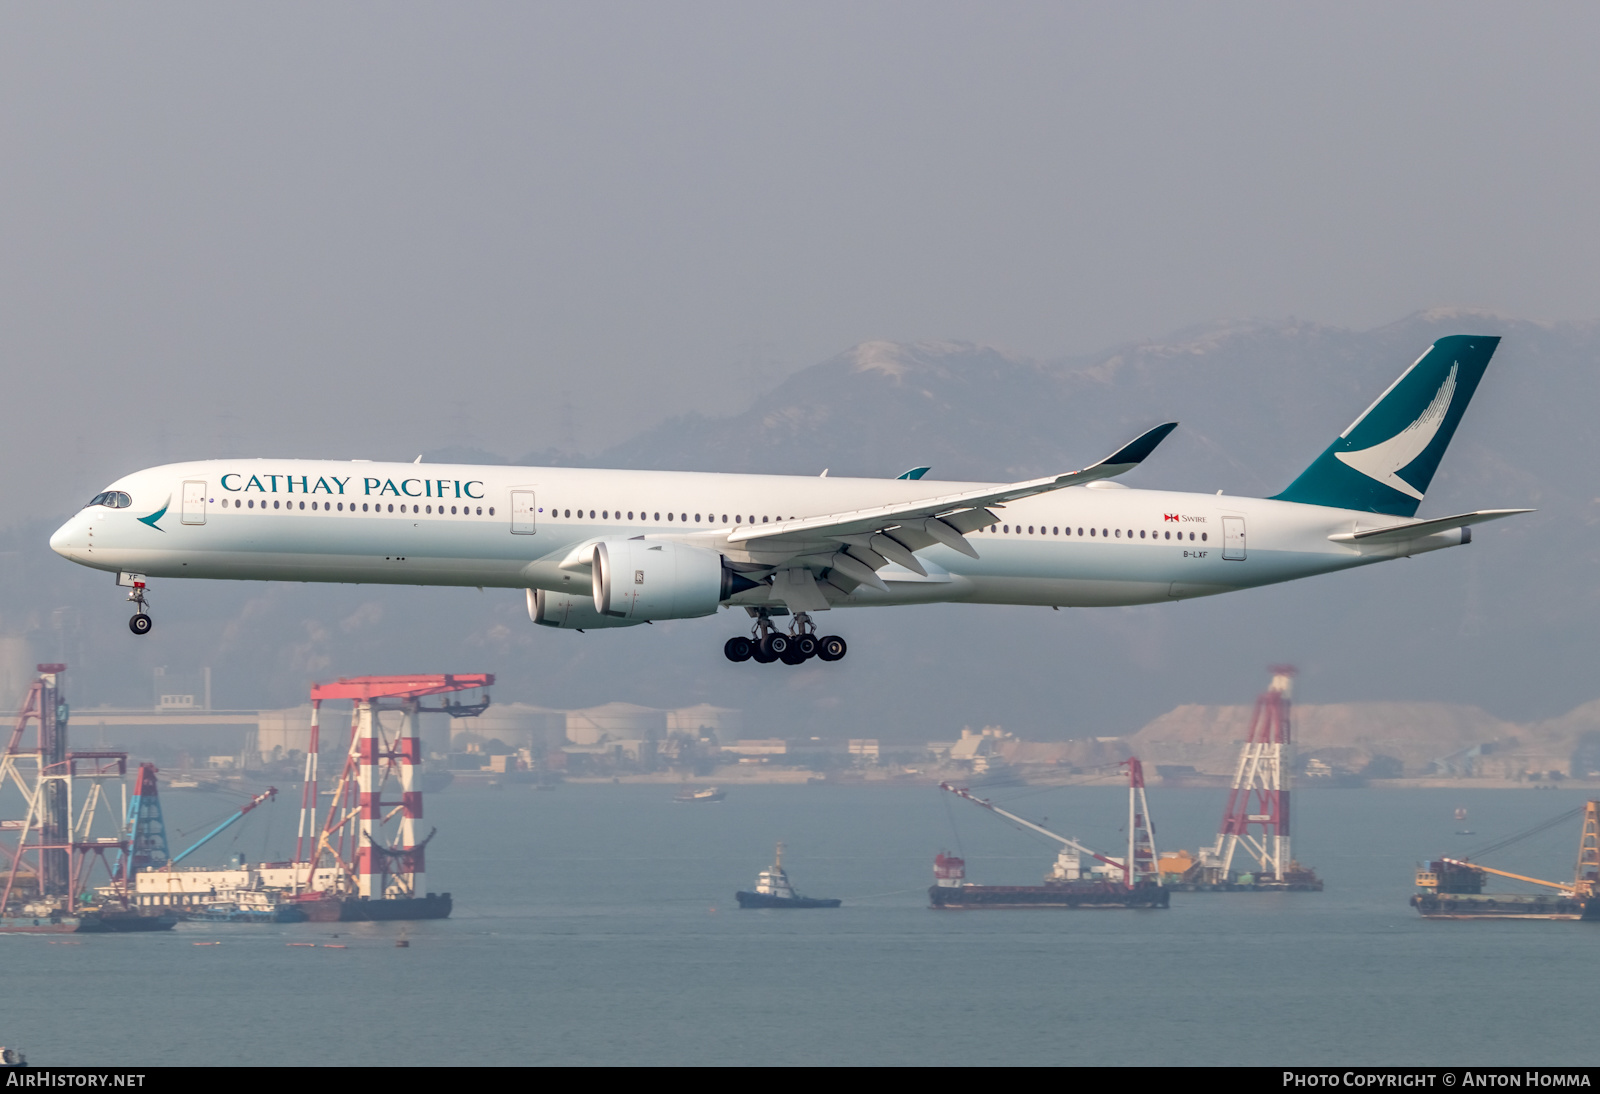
640, 579
570, 612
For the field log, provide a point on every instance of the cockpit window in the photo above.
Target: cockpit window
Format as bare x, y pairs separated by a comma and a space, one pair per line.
112, 499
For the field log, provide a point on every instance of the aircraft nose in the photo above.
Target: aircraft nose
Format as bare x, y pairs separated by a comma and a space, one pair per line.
64, 539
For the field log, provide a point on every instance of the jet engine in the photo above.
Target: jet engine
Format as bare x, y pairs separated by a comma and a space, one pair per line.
569, 612
640, 579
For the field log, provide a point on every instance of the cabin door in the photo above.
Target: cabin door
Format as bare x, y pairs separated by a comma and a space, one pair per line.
1233, 538
522, 512
194, 503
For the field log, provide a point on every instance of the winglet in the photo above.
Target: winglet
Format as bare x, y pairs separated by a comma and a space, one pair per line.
915, 473
1135, 451
954, 510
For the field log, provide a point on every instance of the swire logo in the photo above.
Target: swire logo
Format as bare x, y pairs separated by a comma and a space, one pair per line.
1172, 516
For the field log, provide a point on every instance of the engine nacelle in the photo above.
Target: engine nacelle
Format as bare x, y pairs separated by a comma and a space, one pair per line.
640, 579
569, 612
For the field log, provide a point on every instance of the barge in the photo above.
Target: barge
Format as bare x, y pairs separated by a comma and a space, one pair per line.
322, 908
950, 891
1133, 882
1453, 888
87, 921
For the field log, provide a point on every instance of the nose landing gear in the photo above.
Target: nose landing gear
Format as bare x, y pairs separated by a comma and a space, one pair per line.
141, 622
766, 644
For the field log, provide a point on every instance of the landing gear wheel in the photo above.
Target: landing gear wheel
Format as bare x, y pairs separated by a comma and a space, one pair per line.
759, 654
738, 648
140, 624
831, 648
793, 656
805, 646
776, 645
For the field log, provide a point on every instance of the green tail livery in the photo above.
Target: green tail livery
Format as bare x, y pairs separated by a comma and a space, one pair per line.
1385, 460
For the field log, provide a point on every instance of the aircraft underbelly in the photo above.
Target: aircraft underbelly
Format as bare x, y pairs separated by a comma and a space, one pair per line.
1066, 592
288, 566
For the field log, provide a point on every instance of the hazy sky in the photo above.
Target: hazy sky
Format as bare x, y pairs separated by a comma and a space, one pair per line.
370, 229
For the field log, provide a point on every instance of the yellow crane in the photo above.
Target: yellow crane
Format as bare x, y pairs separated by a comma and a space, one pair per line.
1586, 878
1568, 889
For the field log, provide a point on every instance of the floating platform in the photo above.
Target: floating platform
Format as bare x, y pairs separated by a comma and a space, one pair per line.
1503, 906
321, 909
1061, 894
88, 922
1314, 885
1453, 889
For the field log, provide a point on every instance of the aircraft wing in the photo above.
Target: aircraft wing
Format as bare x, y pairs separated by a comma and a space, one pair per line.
873, 538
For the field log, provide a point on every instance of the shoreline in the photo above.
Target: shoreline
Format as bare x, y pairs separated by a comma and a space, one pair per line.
805, 777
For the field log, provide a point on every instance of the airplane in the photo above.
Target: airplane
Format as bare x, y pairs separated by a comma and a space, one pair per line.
597, 549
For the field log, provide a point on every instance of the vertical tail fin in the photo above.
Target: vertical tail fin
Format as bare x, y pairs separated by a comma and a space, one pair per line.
1385, 460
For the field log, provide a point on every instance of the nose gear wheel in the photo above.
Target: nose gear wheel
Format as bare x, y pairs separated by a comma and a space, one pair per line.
141, 622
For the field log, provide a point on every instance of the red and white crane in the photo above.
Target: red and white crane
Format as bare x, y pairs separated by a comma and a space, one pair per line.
1258, 805
368, 843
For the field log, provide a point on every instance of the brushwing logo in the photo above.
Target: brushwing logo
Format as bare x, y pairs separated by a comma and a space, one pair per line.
1383, 460
157, 515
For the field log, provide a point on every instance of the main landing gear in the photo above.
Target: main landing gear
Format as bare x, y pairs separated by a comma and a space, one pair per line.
766, 644
141, 622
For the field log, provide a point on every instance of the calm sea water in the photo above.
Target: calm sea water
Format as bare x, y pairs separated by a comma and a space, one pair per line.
596, 925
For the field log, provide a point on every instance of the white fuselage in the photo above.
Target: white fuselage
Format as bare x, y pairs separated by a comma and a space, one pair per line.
439, 524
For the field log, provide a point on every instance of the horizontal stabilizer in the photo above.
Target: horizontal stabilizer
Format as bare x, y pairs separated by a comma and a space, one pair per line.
1399, 533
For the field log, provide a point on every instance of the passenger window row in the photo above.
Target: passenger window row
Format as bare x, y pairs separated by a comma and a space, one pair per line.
1100, 533
682, 518
376, 507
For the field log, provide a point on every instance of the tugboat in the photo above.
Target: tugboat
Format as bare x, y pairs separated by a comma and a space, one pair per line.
774, 891
705, 794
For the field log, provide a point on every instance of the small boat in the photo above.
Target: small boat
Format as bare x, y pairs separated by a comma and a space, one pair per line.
774, 891
242, 907
704, 794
